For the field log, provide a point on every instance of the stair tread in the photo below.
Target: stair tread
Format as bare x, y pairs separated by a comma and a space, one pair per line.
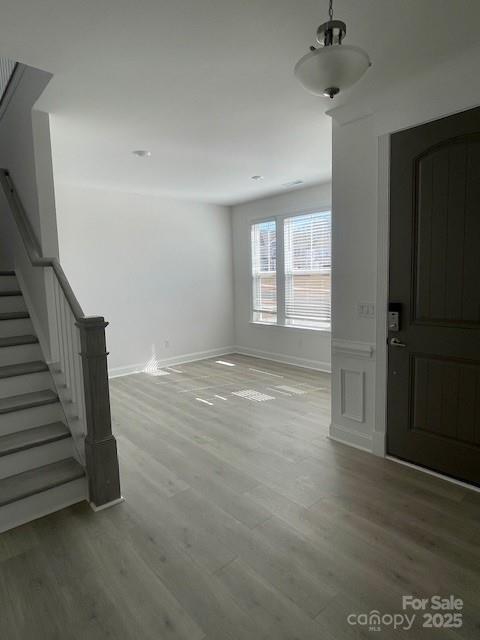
14, 341
23, 368
27, 400
17, 292
29, 438
7, 273
38, 480
14, 315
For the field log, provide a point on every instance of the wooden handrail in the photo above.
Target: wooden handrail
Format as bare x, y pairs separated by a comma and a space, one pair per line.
32, 245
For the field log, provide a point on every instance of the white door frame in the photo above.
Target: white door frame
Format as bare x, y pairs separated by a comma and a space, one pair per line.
383, 241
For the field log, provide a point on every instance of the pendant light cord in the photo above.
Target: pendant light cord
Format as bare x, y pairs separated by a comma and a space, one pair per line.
330, 10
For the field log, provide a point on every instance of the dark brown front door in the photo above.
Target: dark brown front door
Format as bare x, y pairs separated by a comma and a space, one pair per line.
434, 368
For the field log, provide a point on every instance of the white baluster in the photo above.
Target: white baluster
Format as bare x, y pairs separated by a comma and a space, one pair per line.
81, 392
71, 356
68, 377
55, 333
60, 330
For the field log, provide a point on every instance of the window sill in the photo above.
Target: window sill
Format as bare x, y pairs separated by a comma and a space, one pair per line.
289, 326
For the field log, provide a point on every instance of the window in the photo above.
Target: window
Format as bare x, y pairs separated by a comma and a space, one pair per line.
264, 270
307, 243
303, 277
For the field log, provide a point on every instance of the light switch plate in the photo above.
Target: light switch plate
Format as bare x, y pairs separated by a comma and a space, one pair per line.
366, 310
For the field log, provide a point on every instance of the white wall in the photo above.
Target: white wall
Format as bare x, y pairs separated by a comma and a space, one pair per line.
159, 270
297, 346
354, 171
26, 152
360, 235
17, 140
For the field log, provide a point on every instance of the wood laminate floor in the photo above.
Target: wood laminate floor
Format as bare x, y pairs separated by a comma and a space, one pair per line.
242, 521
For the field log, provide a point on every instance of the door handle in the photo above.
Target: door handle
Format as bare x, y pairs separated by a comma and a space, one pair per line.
395, 342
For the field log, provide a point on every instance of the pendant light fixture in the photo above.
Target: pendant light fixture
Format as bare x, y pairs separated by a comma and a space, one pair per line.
334, 66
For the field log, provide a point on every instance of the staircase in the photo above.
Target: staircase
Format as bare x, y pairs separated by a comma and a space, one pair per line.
38, 473
56, 440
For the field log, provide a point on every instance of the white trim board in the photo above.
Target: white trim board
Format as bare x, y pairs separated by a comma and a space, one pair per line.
353, 348
383, 263
317, 365
116, 372
350, 438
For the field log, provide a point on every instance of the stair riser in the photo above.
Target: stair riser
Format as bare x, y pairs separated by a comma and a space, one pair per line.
25, 384
12, 303
22, 327
28, 418
41, 504
8, 283
20, 353
35, 457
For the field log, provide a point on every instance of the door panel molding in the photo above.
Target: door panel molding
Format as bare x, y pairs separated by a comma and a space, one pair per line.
352, 390
446, 166
353, 393
458, 411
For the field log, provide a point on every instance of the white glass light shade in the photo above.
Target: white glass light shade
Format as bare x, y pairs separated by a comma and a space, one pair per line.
337, 66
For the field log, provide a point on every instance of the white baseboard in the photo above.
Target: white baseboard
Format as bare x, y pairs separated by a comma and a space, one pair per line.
352, 438
379, 445
325, 367
116, 372
317, 365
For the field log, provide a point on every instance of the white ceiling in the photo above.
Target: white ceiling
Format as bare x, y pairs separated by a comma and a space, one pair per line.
207, 85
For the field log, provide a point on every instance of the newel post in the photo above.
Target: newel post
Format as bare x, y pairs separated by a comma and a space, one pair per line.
100, 445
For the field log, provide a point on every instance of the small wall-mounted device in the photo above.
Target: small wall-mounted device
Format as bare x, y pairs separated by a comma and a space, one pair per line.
394, 310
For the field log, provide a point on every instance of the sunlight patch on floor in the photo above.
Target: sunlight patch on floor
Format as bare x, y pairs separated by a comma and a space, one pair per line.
251, 394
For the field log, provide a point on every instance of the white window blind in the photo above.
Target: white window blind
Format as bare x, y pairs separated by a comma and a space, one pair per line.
307, 247
264, 267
